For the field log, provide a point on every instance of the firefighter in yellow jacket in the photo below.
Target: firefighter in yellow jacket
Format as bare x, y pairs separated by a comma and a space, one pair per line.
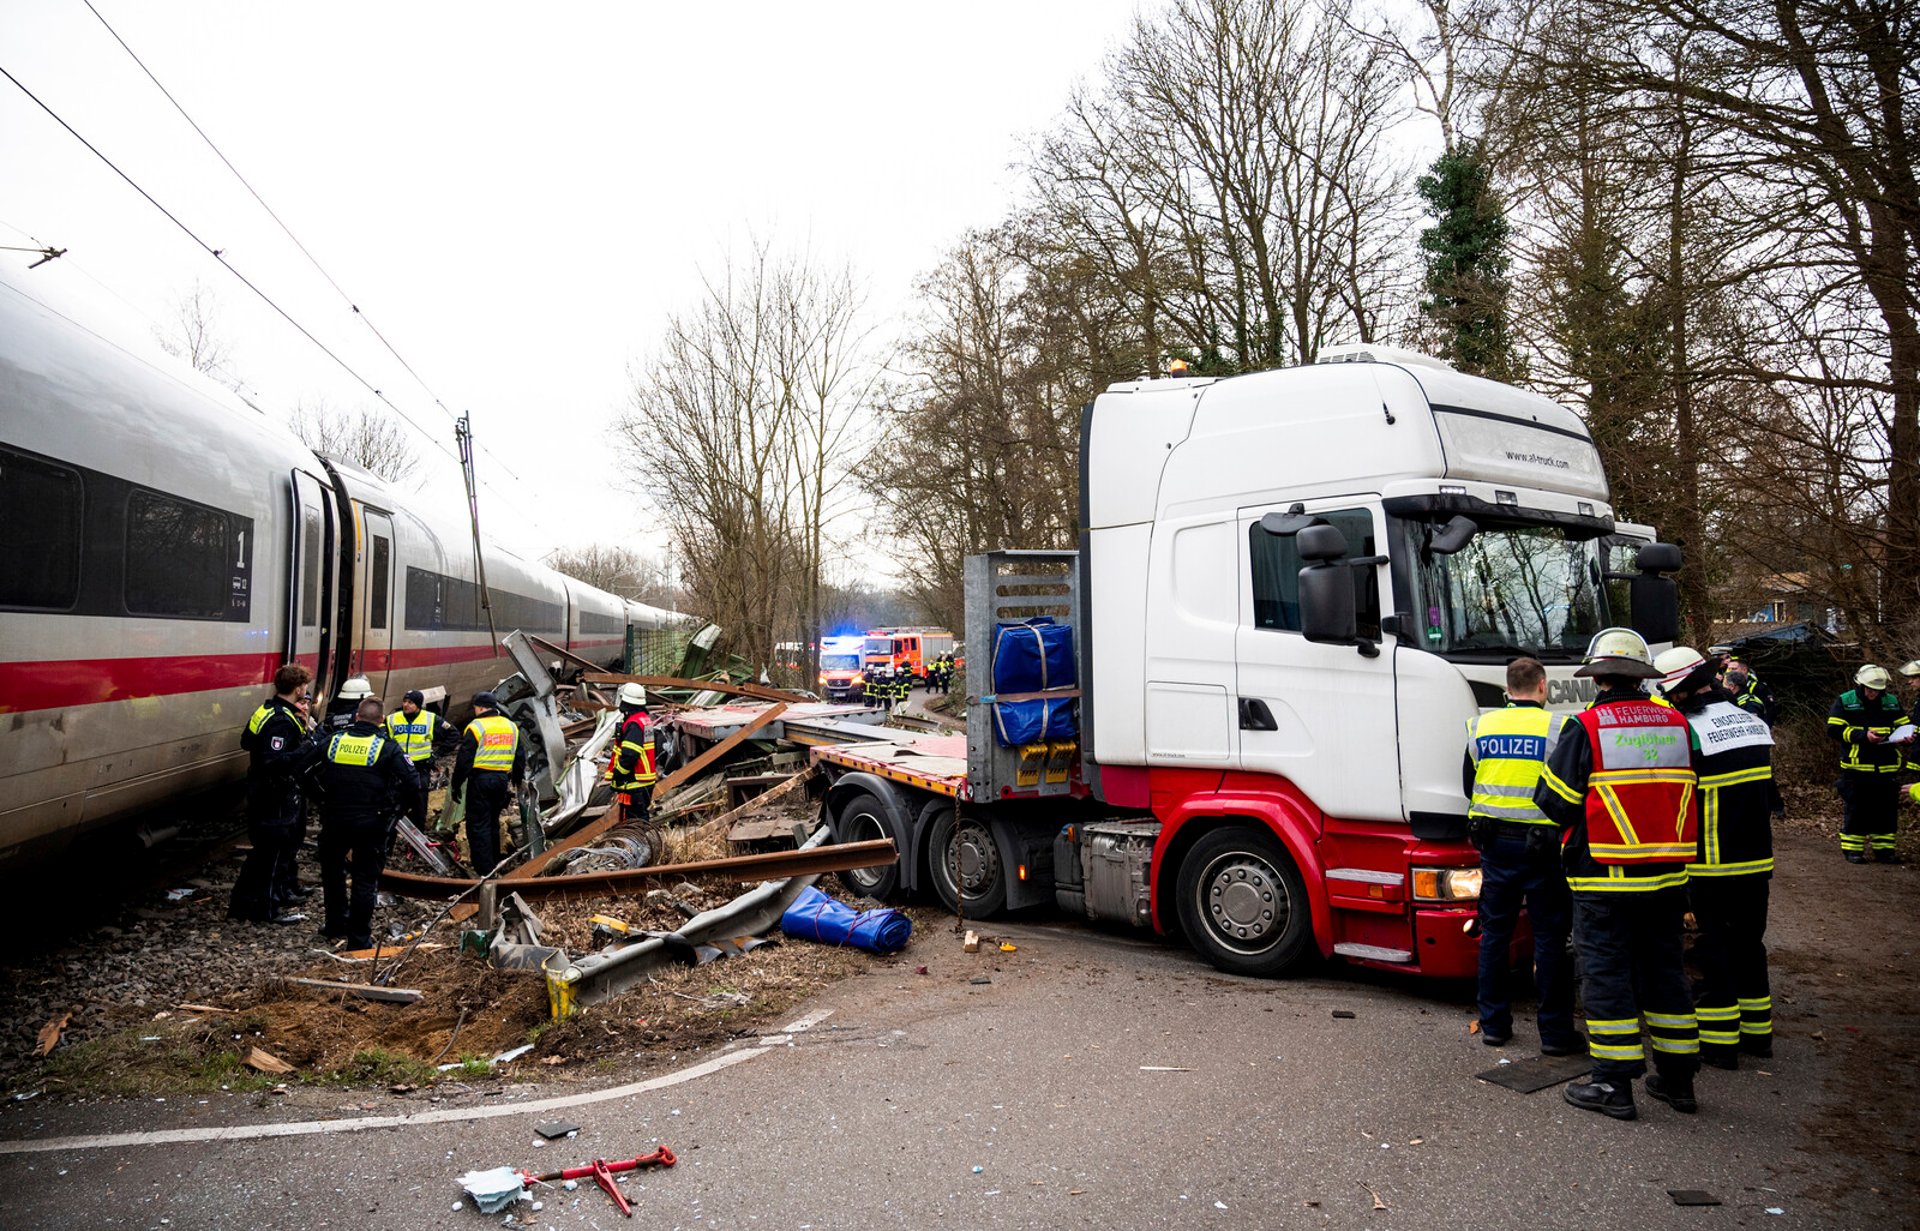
1621, 784
633, 770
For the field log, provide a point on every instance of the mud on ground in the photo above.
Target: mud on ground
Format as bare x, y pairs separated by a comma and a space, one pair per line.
125, 984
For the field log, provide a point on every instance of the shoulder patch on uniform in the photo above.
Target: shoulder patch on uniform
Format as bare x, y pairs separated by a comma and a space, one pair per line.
278, 742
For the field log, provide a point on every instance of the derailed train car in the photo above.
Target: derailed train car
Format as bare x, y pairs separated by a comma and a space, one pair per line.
166, 547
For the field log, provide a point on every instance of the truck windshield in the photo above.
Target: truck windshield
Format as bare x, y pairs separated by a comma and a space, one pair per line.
1511, 590
839, 662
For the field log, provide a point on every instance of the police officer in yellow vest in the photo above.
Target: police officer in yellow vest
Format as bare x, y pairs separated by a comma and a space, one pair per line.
279, 745
367, 783
1621, 783
491, 758
416, 730
1519, 860
1728, 880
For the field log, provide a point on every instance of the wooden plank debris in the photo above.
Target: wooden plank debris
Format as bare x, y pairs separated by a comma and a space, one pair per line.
365, 991
265, 1061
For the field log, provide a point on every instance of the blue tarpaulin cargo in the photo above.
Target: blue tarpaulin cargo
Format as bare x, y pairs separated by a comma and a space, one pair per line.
815, 916
1033, 656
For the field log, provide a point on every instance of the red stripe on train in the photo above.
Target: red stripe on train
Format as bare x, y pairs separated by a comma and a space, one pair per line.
92, 681
26, 686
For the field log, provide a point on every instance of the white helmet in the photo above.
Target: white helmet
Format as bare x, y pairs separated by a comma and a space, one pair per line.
1912, 669
1677, 666
356, 689
1871, 676
1618, 651
632, 694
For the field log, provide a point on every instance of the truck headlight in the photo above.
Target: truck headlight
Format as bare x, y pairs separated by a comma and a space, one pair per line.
1446, 884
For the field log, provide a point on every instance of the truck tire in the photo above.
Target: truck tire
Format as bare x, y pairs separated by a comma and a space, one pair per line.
1243, 903
862, 818
967, 848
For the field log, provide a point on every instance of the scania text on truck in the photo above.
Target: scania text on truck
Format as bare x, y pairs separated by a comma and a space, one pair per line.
1292, 591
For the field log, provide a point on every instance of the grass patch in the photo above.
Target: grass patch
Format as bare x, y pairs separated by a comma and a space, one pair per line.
158, 1059
379, 1067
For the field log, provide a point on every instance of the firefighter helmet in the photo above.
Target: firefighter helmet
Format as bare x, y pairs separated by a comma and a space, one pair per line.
1619, 651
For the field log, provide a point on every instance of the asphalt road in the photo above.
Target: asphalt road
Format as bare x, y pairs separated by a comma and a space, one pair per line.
1095, 1081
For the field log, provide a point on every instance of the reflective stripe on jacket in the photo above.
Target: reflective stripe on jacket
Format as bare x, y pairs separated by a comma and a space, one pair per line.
633, 765
494, 737
1632, 789
1509, 748
1849, 721
414, 735
349, 749
1736, 788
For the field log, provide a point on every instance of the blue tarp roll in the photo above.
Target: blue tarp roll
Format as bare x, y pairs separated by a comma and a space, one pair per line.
1033, 656
815, 916
1026, 722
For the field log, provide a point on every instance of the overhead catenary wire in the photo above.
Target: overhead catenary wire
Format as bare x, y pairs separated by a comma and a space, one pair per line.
219, 256
288, 232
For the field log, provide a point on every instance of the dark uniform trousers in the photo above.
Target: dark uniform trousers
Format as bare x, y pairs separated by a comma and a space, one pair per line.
360, 847
276, 825
423, 770
486, 799
1510, 876
1872, 810
1631, 946
1733, 1000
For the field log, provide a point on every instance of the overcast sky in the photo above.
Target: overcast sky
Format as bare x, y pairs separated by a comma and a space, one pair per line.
517, 195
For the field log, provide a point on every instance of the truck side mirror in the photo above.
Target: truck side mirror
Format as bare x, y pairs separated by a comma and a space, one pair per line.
1654, 599
1326, 587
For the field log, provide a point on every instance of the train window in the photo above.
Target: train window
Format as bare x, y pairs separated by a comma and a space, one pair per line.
186, 561
378, 582
309, 568
40, 551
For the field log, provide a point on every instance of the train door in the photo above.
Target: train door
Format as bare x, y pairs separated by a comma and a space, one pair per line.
376, 614
310, 580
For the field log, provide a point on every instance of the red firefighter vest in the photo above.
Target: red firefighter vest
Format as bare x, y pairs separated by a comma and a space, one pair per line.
1640, 806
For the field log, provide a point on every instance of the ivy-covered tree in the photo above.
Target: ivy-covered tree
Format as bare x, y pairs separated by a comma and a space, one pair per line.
1466, 260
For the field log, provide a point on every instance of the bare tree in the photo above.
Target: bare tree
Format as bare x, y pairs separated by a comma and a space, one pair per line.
367, 437
193, 334
1231, 170
624, 571
743, 428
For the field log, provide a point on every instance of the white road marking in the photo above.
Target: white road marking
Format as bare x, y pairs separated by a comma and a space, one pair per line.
807, 1023
305, 1128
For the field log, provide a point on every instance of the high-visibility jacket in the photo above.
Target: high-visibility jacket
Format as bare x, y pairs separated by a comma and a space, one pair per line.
1849, 721
347, 748
1622, 780
1509, 748
495, 738
415, 735
277, 746
1737, 793
365, 776
633, 765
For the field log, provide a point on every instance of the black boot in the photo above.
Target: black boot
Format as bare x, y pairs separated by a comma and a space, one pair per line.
1855, 857
1606, 1097
1578, 1047
1675, 1092
1887, 856
1727, 1057
1760, 1045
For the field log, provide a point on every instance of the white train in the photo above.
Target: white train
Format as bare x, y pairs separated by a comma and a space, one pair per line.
164, 547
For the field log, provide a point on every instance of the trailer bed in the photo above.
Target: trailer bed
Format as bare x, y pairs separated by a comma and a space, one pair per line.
936, 763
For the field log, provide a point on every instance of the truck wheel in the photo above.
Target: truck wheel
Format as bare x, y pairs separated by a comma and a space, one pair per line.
862, 819
963, 857
1243, 904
